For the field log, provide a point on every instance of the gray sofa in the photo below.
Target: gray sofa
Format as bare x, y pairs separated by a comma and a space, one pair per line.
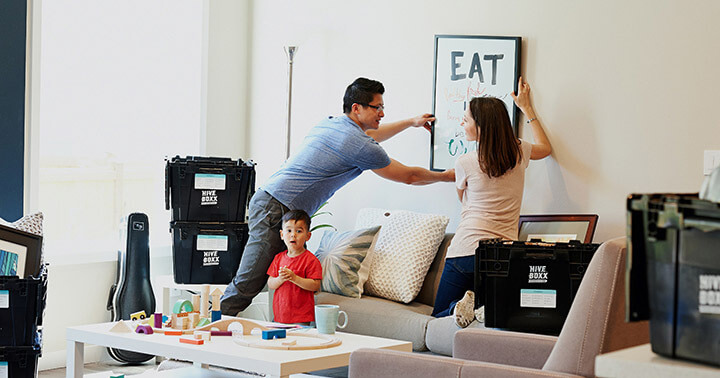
595, 325
412, 322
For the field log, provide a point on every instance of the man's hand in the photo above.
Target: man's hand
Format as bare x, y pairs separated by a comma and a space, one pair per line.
425, 120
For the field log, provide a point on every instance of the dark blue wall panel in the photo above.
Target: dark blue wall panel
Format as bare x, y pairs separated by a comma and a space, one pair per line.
13, 29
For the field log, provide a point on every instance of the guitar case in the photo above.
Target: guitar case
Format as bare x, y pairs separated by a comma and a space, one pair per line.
132, 291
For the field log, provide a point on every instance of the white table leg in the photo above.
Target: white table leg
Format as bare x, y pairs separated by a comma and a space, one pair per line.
75, 359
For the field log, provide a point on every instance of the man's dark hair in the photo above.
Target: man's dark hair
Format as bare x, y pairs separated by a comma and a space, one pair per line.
361, 91
297, 215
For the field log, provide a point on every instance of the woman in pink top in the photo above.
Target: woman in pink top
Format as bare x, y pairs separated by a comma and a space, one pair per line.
490, 187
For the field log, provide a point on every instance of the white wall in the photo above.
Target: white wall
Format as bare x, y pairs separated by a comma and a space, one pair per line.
625, 90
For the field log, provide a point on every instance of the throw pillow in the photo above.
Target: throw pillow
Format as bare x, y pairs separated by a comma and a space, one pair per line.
342, 256
30, 223
404, 250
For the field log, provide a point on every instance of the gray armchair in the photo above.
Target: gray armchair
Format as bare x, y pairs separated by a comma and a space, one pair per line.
595, 325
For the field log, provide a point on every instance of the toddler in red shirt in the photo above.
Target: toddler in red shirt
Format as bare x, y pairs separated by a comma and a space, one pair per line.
295, 274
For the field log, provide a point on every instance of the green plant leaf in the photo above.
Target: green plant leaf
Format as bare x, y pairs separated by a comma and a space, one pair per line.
323, 226
320, 213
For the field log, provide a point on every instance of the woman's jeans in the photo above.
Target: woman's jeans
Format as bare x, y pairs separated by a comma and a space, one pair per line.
458, 276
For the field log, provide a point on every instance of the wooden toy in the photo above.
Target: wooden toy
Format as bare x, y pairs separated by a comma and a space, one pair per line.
194, 318
273, 334
145, 329
203, 322
323, 341
186, 340
196, 302
204, 335
216, 315
158, 319
289, 343
140, 315
120, 327
174, 321
221, 333
216, 294
182, 305
173, 332
204, 294
186, 323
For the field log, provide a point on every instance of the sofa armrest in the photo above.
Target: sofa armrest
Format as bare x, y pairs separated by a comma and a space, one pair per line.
503, 347
375, 363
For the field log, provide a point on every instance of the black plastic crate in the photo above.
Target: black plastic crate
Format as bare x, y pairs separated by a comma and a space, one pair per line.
674, 273
529, 286
20, 362
22, 302
207, 252
200, 189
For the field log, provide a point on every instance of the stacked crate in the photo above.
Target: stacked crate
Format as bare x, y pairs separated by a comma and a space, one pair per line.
209, 198
22, 303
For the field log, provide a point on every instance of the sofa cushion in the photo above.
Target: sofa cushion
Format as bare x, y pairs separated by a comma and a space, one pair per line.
343, 259
403, 253
380, 317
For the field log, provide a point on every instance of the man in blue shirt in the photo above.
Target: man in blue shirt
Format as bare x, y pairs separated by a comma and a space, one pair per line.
336, 151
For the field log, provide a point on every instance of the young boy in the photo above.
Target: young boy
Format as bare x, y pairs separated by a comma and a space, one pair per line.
295, 274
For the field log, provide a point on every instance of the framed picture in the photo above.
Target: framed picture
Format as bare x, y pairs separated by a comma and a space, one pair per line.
19, 253
468, 67
558, 227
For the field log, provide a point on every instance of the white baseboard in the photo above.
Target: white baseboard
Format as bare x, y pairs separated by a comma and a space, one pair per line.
58, 359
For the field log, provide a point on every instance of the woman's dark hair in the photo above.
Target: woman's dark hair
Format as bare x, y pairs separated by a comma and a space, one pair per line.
297, 215
361, 91
498, 148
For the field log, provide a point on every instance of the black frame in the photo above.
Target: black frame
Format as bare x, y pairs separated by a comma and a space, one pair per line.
514, 114
32, 242
590, 218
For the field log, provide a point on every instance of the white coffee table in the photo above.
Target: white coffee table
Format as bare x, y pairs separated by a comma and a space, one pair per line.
222, 351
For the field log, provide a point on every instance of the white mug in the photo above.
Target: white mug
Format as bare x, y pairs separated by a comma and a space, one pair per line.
326, 318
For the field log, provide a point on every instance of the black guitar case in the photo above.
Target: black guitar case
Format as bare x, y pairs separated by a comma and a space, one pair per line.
132, 291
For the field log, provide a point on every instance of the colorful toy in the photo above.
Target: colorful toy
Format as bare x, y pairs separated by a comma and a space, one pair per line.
186, 340
172, 332
182, 305
158, 319
145, 329
204, 301
140, 315
216, 315
221, 333
120, 327
273, 334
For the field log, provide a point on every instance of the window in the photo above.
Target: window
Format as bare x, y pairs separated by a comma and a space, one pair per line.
121, 88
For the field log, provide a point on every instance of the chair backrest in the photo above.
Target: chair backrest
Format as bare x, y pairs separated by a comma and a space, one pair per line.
596, 321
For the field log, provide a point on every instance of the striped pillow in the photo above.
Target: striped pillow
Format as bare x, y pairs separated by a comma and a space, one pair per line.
342, 256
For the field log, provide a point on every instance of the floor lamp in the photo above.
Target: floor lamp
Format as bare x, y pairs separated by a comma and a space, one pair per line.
290, 51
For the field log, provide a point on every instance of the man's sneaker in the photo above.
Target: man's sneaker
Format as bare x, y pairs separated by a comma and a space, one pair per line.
480, 314
463, 312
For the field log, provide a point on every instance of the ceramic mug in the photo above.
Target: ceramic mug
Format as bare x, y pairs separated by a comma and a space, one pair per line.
326, 318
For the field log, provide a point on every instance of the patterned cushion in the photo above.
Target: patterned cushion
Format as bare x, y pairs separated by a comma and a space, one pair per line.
342, 256
33, 224
403, 252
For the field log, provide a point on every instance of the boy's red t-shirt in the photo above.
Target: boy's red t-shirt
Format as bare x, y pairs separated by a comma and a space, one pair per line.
291, 303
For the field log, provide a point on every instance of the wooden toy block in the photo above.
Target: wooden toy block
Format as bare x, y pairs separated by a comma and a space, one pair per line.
140, 315
174, 321
182, 305
204, 295
194, 318
196, 302
221, 333
289, 343
172, 332
145, 329
186, 340
216, 294
120, 327
216, 315
186, 323
205, 335
182, 315
202, 322
158, 319
273, 334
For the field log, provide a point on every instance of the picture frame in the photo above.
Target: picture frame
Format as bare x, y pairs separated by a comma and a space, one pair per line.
557, 227
20, 252
465, 67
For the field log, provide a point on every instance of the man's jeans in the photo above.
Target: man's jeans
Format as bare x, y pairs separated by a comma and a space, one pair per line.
264, 242
458, 276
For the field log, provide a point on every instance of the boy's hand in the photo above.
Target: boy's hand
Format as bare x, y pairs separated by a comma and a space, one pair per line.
287, 274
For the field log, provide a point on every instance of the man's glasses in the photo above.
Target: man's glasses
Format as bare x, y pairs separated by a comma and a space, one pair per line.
379, 108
